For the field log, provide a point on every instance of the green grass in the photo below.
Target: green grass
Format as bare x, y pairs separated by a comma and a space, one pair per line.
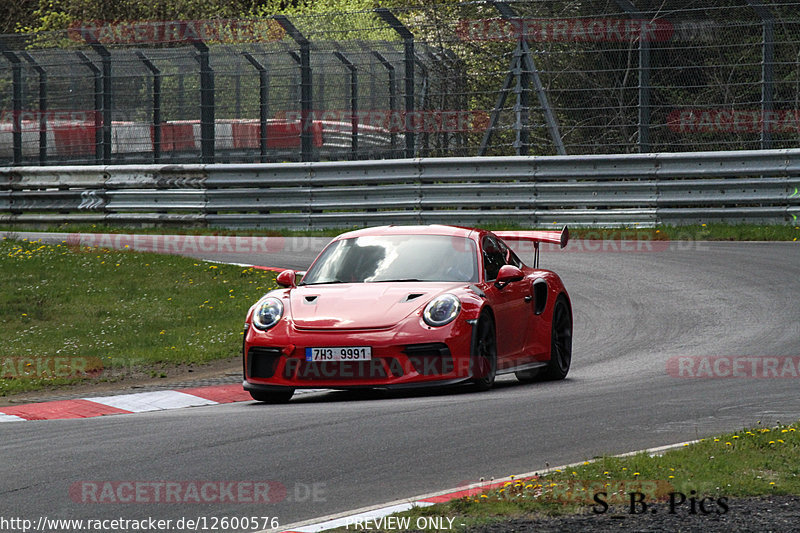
710, 232
112, 313
751, 462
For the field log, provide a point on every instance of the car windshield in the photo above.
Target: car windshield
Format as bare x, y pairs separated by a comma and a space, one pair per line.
395, 258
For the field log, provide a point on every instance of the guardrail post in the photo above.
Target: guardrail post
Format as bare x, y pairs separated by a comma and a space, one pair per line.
42, 106
156, 72
767, 68
207, 132
392, 99
306, 88
353, 102
98, 104
106, 100
16, 99
263, 102
408, 53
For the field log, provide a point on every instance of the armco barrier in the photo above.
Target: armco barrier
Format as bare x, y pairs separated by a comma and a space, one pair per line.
595, 190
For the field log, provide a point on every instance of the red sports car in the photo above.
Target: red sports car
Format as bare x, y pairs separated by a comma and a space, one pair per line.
410, 306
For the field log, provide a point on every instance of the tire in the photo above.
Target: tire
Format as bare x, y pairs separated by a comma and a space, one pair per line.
560, 342
276, 396
483, 356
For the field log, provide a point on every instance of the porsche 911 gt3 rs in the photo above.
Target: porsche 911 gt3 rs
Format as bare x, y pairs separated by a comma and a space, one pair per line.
410, 306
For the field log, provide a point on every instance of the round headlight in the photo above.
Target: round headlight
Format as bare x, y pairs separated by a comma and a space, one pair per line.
267, 313
441, 310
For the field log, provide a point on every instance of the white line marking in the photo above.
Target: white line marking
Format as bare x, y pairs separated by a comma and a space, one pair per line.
151, 401
377, 513
340, 519
11, 418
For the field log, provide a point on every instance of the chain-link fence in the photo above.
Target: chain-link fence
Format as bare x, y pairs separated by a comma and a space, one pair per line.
478, 78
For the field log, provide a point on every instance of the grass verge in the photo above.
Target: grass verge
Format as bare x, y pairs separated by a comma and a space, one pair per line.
758, 461
71, 314
708, 232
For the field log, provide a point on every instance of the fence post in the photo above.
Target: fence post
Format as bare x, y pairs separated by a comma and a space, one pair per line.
525, 67
422, 147
16, 99
42, 106
263, 102
306, 88
408, 53
207, 130
392, 99
106, 100
98, 104
644, 80
353, 102
156, 104
767, 68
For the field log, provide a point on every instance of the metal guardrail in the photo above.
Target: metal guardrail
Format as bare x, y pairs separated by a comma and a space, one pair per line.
594, 190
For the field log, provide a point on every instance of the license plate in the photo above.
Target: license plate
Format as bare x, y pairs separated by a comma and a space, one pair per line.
339, 353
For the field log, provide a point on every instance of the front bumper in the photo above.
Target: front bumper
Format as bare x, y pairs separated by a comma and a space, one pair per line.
400, 358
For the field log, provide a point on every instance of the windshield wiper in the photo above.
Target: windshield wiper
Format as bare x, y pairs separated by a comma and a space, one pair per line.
331, 282
393, 280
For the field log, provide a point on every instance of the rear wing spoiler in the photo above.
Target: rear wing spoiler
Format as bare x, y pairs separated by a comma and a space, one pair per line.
552, 237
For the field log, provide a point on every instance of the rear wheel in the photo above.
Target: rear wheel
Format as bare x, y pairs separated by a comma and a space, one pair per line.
560, 342
484, 354
276, 396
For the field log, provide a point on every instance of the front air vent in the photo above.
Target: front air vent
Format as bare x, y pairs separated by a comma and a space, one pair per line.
430, 358
413, 296
262, 361
311, 299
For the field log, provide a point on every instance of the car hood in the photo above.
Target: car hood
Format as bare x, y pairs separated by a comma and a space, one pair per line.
361, 305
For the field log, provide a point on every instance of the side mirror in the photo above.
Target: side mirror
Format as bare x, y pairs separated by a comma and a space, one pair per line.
286, 279
508, 274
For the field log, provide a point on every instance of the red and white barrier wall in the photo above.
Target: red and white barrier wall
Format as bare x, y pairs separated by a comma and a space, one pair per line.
70, 138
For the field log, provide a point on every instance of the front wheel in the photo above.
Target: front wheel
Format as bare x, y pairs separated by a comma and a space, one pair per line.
276, 396
484, 354
560, 342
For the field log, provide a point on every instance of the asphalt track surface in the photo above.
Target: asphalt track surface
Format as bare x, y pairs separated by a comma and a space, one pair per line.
633, 311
